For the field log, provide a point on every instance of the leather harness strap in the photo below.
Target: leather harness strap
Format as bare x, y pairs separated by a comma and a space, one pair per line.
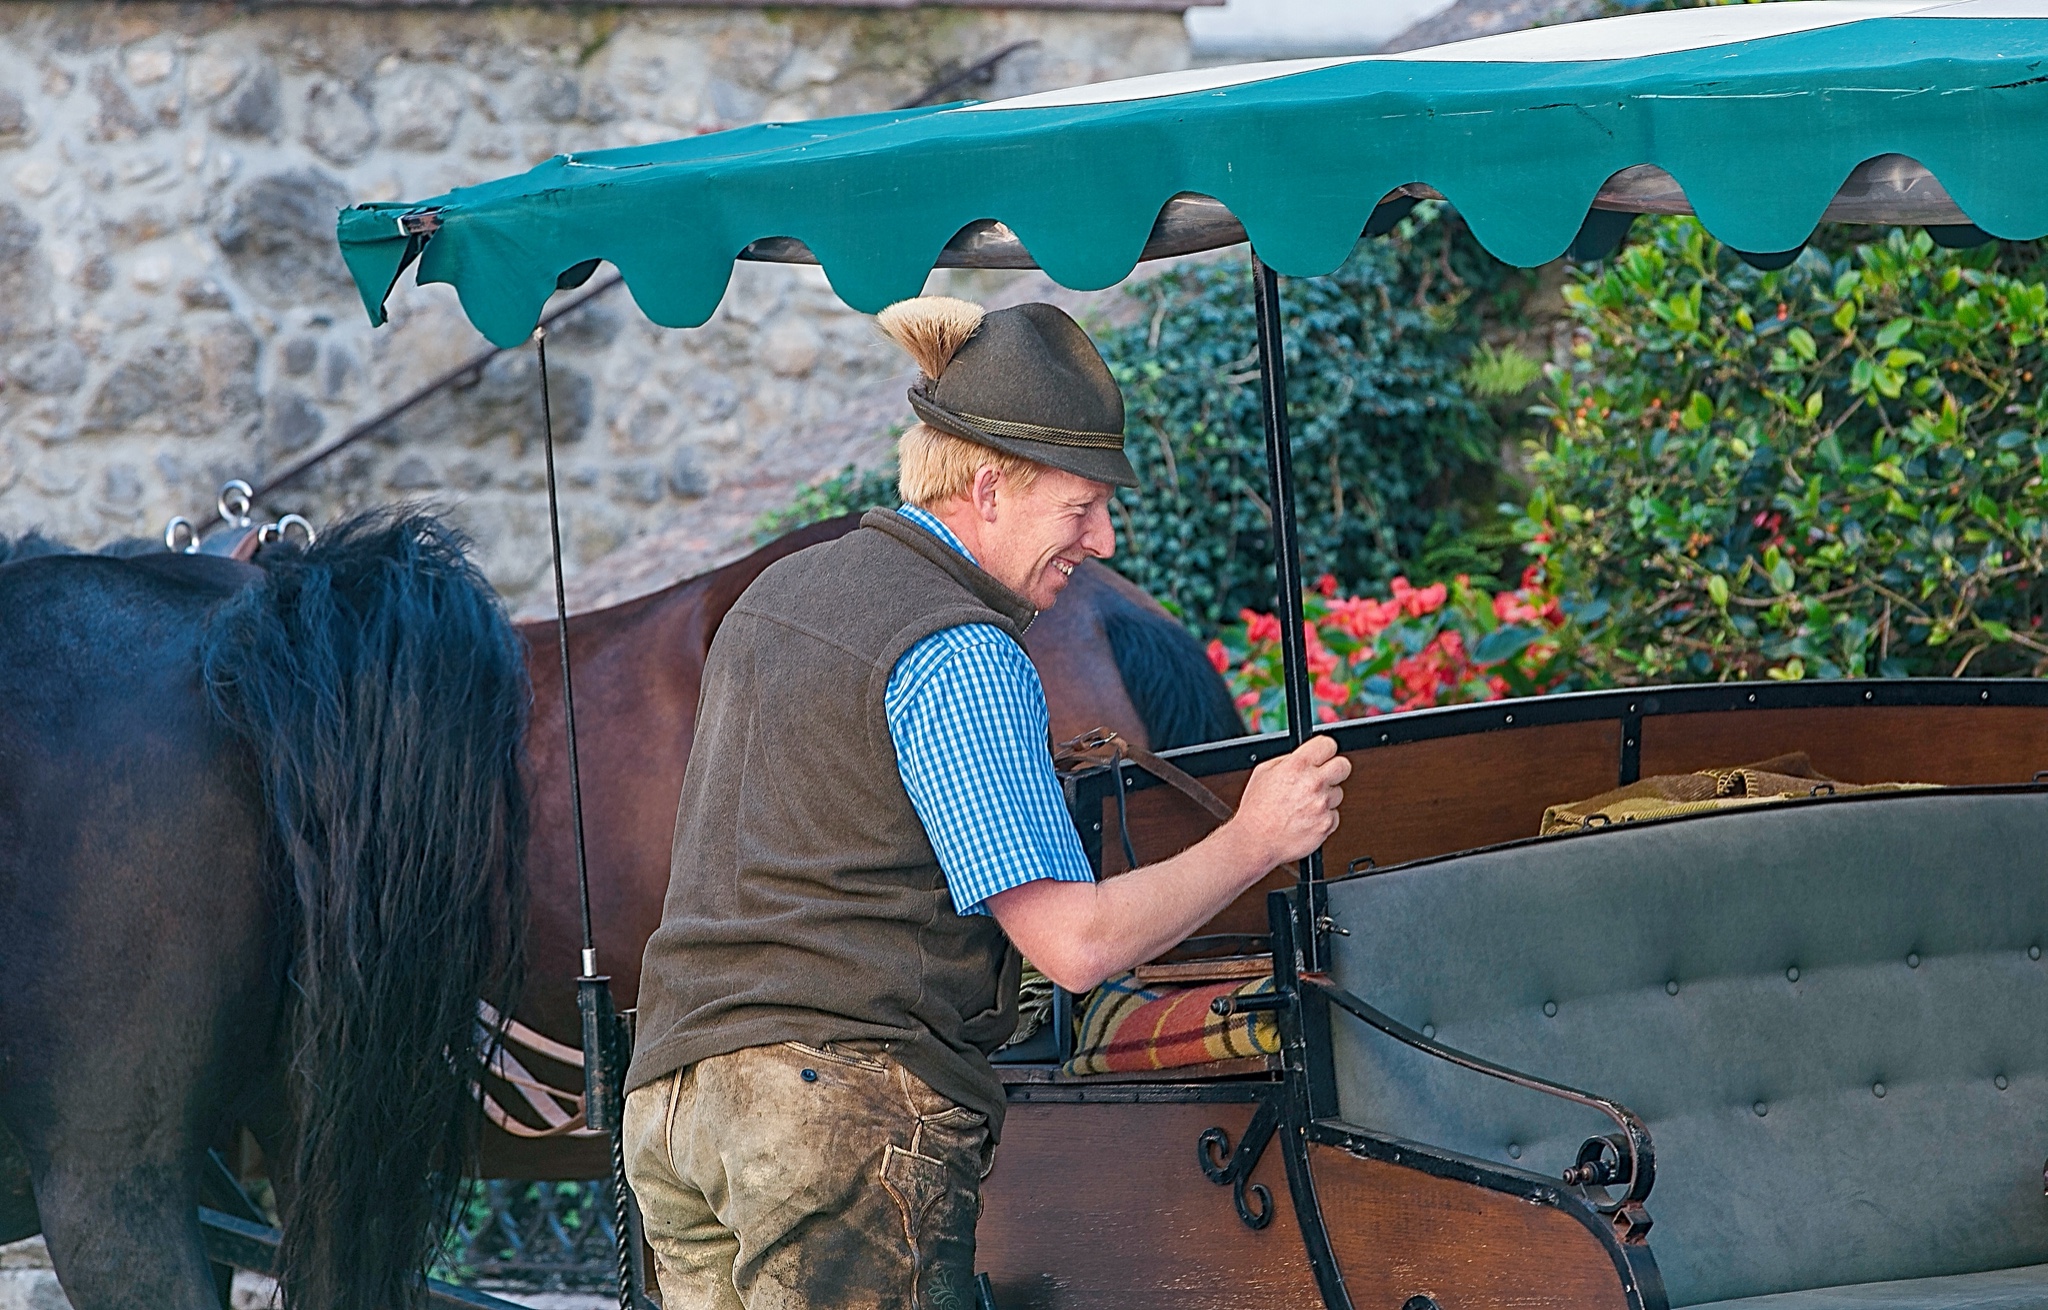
1105, 747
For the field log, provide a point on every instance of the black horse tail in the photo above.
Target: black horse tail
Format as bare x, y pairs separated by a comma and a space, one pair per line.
1178, 694
383, 694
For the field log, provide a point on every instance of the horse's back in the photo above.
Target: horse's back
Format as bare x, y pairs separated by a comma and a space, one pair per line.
131, 832
76, 619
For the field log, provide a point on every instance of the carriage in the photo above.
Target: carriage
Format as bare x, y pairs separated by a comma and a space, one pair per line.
1468, 1170
1777, 1056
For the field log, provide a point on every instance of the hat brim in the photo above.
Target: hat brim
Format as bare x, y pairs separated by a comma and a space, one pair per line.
1096, 463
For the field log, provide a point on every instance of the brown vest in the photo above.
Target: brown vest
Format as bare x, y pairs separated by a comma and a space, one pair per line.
804, 900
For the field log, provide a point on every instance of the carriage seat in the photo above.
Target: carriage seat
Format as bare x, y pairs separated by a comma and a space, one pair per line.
2000, 1289
1830, 1013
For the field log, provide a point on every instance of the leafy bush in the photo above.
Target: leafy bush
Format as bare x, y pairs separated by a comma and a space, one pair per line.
1386, 437
1834, 469
1444, 644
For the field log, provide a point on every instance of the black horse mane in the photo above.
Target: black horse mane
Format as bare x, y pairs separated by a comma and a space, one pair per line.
383, 694
1168, 677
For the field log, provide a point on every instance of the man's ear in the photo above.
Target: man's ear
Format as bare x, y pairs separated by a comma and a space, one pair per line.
987, 480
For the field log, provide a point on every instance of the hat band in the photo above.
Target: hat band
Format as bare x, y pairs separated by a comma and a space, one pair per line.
1051, 436
921, 400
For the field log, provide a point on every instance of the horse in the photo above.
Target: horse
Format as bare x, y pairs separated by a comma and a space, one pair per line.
253, 741
1108, 654
260, 856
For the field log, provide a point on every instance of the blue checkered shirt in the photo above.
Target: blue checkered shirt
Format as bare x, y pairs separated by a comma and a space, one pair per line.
968, 716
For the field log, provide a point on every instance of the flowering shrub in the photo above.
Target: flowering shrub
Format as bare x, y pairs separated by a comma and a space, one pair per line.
1444, 644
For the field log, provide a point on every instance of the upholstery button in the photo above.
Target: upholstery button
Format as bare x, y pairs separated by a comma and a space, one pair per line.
1913, 960
1761, 1109
1429, 1031
1792, 974
810, 1075
1671, 988
1550, 1009
2033, 952
2000, 1083
1514, 1150
1877, 1090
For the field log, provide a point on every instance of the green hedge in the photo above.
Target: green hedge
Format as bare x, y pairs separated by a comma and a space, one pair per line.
1388, 440
1832, 469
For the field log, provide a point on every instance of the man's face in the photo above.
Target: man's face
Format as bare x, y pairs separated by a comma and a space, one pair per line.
1033, 540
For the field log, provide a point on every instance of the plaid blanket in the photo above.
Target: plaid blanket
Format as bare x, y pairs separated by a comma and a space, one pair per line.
1128, 1027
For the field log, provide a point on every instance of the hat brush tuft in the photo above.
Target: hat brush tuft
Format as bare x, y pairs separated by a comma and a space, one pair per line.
931, 329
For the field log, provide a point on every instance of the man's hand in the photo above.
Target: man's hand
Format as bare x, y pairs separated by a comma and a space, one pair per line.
1290, 805
1079, 933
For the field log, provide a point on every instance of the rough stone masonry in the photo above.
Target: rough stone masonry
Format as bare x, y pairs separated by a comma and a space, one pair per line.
173, 311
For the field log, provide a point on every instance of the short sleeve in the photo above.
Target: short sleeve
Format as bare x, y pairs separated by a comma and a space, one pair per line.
968, 718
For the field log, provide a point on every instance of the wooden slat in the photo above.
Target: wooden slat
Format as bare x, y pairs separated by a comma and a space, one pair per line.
1398, 1233
1104, 1207
1954, 744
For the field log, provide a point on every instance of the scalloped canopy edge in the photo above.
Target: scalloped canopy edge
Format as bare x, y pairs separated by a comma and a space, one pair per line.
1761, 133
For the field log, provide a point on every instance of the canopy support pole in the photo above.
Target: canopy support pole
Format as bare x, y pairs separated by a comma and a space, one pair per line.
1287, 572
606, 1043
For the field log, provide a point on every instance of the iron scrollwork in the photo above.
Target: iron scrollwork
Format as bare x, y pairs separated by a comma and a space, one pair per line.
1233, 1169
1625, 1159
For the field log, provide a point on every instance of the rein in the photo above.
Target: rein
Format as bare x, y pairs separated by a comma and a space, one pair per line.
1106, 748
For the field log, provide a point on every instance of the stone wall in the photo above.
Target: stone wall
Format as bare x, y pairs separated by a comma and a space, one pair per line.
173, 311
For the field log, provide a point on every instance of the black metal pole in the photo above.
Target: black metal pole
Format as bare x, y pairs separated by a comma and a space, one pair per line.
593, 989
1287, 568
603, 1056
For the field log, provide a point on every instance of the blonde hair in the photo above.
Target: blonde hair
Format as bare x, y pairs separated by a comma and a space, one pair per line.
936, 466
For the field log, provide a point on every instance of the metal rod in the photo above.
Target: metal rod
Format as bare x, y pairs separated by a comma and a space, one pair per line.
1287, 565
547, 419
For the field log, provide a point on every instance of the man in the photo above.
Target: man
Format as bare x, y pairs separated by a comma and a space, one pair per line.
871, 832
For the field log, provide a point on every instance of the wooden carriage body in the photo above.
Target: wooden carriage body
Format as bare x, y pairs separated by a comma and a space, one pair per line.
1361, 1171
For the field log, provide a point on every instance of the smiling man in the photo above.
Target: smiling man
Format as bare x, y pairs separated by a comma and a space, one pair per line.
871, 833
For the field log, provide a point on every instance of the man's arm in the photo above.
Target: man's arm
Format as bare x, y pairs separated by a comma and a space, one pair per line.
1078, 934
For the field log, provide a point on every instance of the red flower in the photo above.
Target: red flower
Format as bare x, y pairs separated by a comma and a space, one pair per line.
1333, 691
1246, 700
1509, 607
1219, 657
1327, 584
1260, 627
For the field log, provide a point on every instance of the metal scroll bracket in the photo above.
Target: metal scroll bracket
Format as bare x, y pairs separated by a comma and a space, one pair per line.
1624, 1159
1233, 1169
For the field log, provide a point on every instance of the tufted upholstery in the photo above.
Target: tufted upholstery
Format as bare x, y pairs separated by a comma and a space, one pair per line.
1832, 1014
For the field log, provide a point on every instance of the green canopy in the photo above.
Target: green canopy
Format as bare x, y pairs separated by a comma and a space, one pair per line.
1756, 115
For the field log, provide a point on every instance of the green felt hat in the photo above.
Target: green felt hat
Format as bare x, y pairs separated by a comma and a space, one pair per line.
1029, 382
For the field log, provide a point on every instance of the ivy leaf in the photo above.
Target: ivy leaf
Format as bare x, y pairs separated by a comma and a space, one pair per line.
1717, 590
1699, 411
1802, 344
1893, 333
1845, 318
1504, 643
1995, 630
